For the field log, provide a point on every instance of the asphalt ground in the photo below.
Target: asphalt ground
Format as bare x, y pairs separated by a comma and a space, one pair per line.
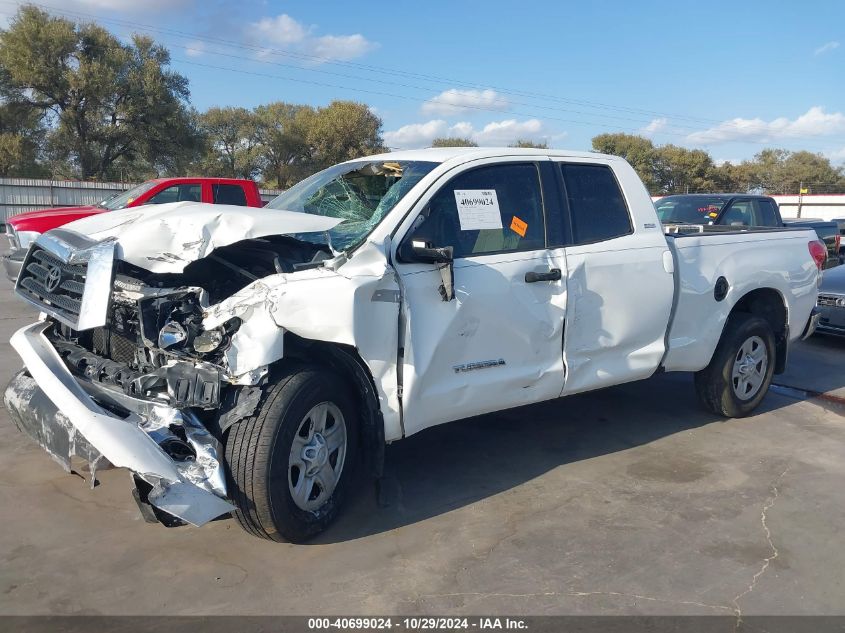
631, 500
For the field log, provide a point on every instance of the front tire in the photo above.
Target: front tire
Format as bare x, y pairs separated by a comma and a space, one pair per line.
291, 462
740, 372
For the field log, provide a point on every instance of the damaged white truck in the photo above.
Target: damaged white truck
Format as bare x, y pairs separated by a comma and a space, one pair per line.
244, 361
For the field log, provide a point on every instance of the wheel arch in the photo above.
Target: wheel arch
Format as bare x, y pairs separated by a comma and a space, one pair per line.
347, 362
768, 304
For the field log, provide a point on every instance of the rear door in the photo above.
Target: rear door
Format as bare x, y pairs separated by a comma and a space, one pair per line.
498, 343
619, 278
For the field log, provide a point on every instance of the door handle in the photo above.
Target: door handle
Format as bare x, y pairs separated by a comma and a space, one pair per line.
532, 277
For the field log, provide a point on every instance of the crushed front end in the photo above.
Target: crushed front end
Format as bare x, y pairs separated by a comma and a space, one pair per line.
120, 371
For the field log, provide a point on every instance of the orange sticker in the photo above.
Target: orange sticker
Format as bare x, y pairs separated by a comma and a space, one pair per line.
518, 226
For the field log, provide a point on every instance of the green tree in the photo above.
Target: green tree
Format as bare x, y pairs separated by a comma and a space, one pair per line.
282, 132
21, 134
453, 141
682, 170
524, 143
106, 102
233, 148
637, 150
341, 131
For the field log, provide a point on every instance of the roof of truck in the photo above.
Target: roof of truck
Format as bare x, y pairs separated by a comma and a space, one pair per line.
442, 154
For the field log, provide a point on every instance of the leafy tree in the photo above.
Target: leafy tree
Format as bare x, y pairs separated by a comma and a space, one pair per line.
106, 102
529, 144
680, 170
21, 134
341, 131
637, 150
282, 132
453, 141
233, 148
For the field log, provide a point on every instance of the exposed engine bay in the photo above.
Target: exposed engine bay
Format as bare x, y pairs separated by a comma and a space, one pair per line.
153, 345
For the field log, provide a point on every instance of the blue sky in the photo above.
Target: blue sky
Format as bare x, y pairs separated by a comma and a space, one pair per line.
730, 77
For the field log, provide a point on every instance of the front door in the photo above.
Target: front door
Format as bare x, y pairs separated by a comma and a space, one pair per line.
498, 343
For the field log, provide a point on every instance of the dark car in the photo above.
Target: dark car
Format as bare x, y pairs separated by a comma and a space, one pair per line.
840, 222
831, 302
741, 210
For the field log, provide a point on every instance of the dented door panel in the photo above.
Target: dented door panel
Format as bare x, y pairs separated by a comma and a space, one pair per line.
496, 345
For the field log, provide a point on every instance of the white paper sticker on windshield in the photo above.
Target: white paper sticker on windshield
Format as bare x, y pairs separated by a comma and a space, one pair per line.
478, 209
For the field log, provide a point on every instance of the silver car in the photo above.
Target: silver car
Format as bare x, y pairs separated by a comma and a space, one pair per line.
832, 302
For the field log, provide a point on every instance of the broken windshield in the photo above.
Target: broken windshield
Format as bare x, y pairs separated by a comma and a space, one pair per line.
360, 193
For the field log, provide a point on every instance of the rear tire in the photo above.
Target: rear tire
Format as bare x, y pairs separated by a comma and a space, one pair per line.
290, 463
740, 372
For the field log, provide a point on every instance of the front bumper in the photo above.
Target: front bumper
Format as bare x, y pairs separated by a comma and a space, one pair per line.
832, 320
55, 408
812, 324
13, 262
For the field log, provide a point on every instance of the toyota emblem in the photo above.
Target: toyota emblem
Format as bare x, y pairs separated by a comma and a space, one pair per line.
53, 278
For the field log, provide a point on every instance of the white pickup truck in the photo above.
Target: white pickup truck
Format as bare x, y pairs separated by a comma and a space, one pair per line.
245, 360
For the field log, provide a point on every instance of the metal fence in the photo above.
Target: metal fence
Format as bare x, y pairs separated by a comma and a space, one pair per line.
28, 194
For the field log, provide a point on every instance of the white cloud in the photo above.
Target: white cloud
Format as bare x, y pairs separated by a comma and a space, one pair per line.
195, 48
814, 122
283, 30
826, 48
455, 101
655, 126
416, 134
341, 46
494, 133
504, 132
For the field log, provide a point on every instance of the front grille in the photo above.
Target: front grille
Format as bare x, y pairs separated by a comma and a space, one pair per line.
119, 340
53, 283
832, 301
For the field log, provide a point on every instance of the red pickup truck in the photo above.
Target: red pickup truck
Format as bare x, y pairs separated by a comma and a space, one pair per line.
24, 228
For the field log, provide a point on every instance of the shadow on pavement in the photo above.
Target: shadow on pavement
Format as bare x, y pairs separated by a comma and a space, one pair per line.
453, 465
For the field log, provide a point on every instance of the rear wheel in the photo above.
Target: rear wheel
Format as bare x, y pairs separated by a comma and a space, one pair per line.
740, 372
291, 462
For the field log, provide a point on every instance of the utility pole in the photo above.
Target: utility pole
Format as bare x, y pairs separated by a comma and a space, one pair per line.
801, 192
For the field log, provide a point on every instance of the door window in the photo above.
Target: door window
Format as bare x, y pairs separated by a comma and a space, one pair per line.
177, 193
229, 194
492, 209
596, 204
767, 213
738, 214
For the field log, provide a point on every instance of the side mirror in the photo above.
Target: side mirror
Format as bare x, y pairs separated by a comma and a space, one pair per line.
415, 251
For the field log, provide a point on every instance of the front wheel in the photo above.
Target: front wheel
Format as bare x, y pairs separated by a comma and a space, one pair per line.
291, 462
740, 372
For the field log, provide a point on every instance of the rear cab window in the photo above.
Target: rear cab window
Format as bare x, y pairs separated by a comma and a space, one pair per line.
228, 194
490, 209
597, 207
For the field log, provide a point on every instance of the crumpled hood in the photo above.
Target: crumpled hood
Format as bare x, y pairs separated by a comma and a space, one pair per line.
164, 238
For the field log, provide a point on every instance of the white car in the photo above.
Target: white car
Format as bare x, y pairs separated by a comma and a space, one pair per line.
242, 360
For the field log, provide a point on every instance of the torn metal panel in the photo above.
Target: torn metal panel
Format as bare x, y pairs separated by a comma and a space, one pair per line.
185, 501
321, 305
128, 442
34, 414
164, 238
